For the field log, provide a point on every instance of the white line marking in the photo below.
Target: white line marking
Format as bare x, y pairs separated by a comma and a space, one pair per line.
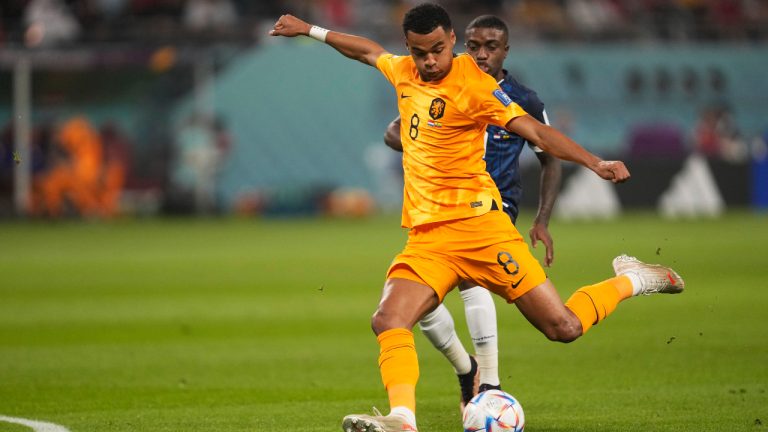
36, 426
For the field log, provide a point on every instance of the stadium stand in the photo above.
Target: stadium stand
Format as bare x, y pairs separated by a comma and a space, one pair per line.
604, 68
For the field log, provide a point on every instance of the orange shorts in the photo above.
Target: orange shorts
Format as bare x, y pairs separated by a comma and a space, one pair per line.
487, 250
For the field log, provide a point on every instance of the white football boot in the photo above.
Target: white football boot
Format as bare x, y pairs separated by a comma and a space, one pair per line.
654, 278
376, 423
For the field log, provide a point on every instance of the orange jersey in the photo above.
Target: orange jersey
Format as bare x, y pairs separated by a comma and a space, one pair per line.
442, 129
83, 144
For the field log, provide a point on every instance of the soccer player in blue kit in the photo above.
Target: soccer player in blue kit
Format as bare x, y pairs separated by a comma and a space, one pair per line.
487, 42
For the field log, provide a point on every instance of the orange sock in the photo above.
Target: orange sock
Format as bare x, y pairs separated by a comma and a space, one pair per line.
593, 303
399, 367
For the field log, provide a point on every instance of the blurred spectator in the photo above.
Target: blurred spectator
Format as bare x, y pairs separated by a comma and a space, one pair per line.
660, 20
728, 18
705, 137
209, 15
665, 19
87, 172
74, 176
716, 135
543, 17
338, 13
49, 23
756, 18
594, 19
201, 147
223, 138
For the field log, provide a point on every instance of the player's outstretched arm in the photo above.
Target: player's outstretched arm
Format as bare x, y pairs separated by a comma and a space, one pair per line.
560, 146
355, 47
392, 135
551, 173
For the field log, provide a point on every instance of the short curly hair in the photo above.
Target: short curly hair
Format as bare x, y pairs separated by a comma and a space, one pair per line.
490, 22
425, 18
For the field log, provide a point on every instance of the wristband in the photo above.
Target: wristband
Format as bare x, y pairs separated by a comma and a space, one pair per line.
318, 33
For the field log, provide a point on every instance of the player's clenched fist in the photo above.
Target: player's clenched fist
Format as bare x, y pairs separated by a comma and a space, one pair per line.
289, 26
614, 171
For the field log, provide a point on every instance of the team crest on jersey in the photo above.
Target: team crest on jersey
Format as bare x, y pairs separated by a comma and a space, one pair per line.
502, 97
437, 108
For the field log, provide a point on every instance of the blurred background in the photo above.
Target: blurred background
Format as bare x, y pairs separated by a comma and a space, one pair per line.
139, 108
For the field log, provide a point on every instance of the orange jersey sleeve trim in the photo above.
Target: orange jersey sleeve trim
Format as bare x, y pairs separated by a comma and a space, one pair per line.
384, 64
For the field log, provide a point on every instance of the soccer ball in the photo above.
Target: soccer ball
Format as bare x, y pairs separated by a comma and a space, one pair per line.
493, 411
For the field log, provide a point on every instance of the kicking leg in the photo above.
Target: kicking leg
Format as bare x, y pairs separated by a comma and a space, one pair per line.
543, 308
591, 304
560, 322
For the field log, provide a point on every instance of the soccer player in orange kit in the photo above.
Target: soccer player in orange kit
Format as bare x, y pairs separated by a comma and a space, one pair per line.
451, 205
487, 41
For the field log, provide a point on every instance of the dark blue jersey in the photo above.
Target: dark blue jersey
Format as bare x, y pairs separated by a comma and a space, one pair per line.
502, 148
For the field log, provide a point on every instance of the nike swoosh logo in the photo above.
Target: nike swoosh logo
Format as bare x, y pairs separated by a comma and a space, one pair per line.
671, 279
403, 96
515, 285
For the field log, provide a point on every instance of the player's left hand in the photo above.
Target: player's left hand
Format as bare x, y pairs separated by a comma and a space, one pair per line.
539, 232
289, 26
614, 171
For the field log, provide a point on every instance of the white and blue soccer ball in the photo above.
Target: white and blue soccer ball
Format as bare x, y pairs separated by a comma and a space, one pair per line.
493, 411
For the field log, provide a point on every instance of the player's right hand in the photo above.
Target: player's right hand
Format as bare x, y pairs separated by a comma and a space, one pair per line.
614, 171
289, 26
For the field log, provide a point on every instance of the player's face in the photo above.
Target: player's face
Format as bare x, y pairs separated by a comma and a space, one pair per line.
432, 52
488, 46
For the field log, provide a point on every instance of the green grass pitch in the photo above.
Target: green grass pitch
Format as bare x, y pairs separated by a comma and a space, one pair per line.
263, 325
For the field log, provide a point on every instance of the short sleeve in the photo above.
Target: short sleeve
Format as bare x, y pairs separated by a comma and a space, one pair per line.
486, 102
385, 64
